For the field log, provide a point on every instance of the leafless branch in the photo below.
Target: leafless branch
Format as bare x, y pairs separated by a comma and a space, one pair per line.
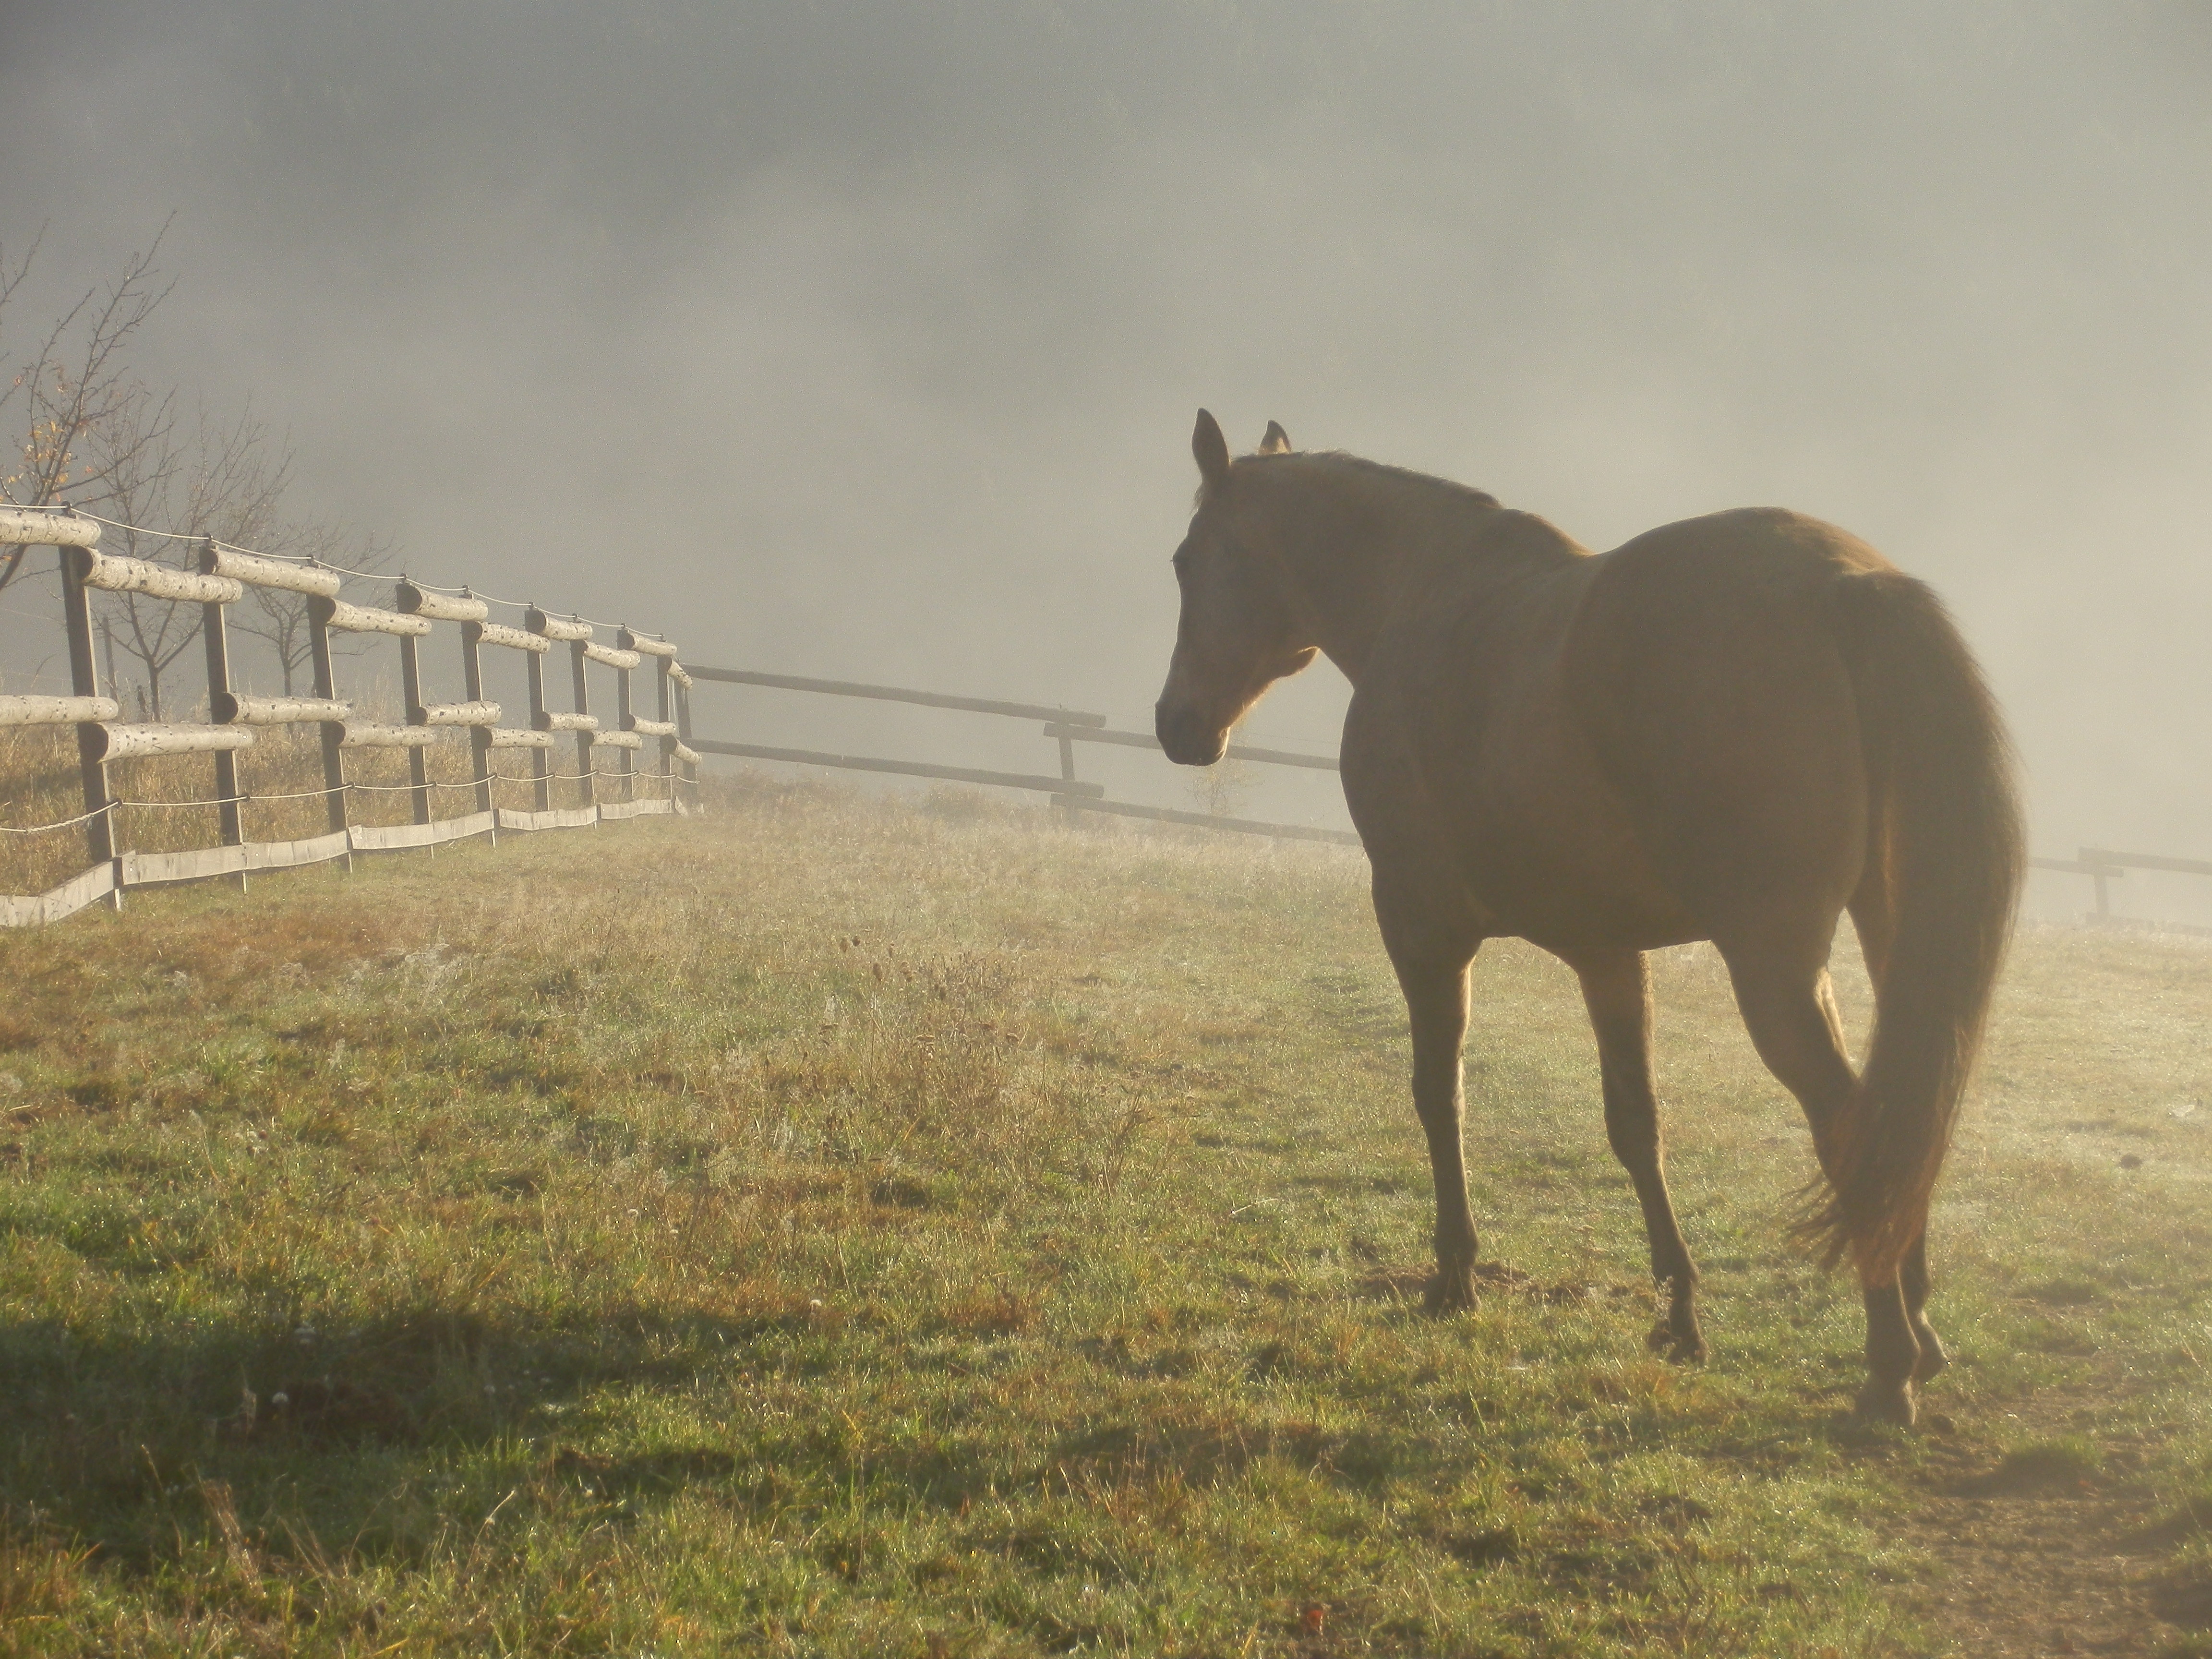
225, 484
75, 382
277, 616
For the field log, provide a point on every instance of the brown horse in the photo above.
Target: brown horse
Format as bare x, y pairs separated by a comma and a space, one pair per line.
1733, 728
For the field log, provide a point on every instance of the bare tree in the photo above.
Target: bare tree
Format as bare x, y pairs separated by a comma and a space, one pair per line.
278, 617
75, 383
224, 485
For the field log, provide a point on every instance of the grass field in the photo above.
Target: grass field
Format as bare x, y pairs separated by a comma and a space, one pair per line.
859, 1227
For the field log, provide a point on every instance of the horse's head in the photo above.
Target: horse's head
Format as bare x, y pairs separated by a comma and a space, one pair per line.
1242, 628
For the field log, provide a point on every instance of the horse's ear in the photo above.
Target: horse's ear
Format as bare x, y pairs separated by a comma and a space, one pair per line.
1276, 442
1210, 449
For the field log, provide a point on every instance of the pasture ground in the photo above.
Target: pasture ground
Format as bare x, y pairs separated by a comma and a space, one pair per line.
863, 1227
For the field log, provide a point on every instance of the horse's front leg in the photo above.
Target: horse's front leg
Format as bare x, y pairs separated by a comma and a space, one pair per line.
1434, 984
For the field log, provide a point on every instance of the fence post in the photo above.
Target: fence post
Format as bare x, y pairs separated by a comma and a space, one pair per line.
2100, 876
585, 763
410, 694
479, 736
541, 760
84, 681
621, 724
667, 750
683, 735
215, 634
1067, 772
334, 777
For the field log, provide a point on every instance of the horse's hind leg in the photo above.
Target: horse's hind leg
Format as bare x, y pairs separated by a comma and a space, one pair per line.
1874, 917
1617, 991
1791, 1011
1913, 1281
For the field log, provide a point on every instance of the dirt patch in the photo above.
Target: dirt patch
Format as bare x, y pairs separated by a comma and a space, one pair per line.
2038, 1550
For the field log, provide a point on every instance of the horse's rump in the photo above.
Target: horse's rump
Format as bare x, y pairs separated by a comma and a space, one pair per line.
1707, 669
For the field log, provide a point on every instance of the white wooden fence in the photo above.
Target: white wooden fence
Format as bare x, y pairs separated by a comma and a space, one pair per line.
669, 782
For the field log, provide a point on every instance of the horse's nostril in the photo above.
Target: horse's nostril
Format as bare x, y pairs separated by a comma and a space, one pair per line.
1175, 728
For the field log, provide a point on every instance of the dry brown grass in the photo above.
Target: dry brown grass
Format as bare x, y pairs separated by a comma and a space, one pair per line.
857, 1226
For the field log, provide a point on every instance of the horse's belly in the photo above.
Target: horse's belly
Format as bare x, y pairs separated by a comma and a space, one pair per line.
1562, 887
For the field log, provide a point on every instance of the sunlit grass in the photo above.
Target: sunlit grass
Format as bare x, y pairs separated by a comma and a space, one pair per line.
856, 1227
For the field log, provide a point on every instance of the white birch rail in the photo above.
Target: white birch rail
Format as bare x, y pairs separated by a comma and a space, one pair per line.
290, 854
368, 734
221, 579
118, 743
683, 751
362, 619
557, 817
440, 607
156, 581
513, 638
34, 526
56, 711
230, 709
556, 628
155, 869
64, 901
216, 561
130, 870
680, 674
392, 838
457, 713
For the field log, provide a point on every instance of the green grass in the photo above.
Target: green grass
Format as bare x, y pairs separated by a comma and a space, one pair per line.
847, 1227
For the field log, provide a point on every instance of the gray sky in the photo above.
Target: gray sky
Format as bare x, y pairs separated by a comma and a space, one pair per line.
865, 340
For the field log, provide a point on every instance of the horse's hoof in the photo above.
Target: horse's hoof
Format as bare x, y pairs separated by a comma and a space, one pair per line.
1683, 1348
1452, 1291
1932, 1358
1888, 1402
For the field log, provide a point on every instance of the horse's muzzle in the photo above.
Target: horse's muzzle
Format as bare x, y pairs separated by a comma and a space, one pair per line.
1188, 740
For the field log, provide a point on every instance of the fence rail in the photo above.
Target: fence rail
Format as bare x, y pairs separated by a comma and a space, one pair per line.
222, 578
1065, 726
1068, 727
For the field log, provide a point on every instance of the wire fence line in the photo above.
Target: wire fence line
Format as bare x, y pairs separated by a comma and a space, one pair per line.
654, 769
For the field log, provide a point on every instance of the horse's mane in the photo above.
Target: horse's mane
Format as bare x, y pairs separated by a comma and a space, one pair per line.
1338, 458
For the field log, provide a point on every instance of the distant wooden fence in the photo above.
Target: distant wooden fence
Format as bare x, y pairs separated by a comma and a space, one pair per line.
1069, 727
224, 573
1066, 726
2103, 867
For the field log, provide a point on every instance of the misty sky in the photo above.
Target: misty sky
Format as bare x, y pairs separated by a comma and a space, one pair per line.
865, 341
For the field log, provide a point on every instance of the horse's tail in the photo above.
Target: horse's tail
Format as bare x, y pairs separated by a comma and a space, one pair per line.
1946, 843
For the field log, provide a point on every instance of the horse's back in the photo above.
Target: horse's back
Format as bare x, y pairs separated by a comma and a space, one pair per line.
1705, 666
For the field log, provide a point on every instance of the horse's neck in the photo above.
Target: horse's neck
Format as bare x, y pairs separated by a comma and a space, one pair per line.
1350, 538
